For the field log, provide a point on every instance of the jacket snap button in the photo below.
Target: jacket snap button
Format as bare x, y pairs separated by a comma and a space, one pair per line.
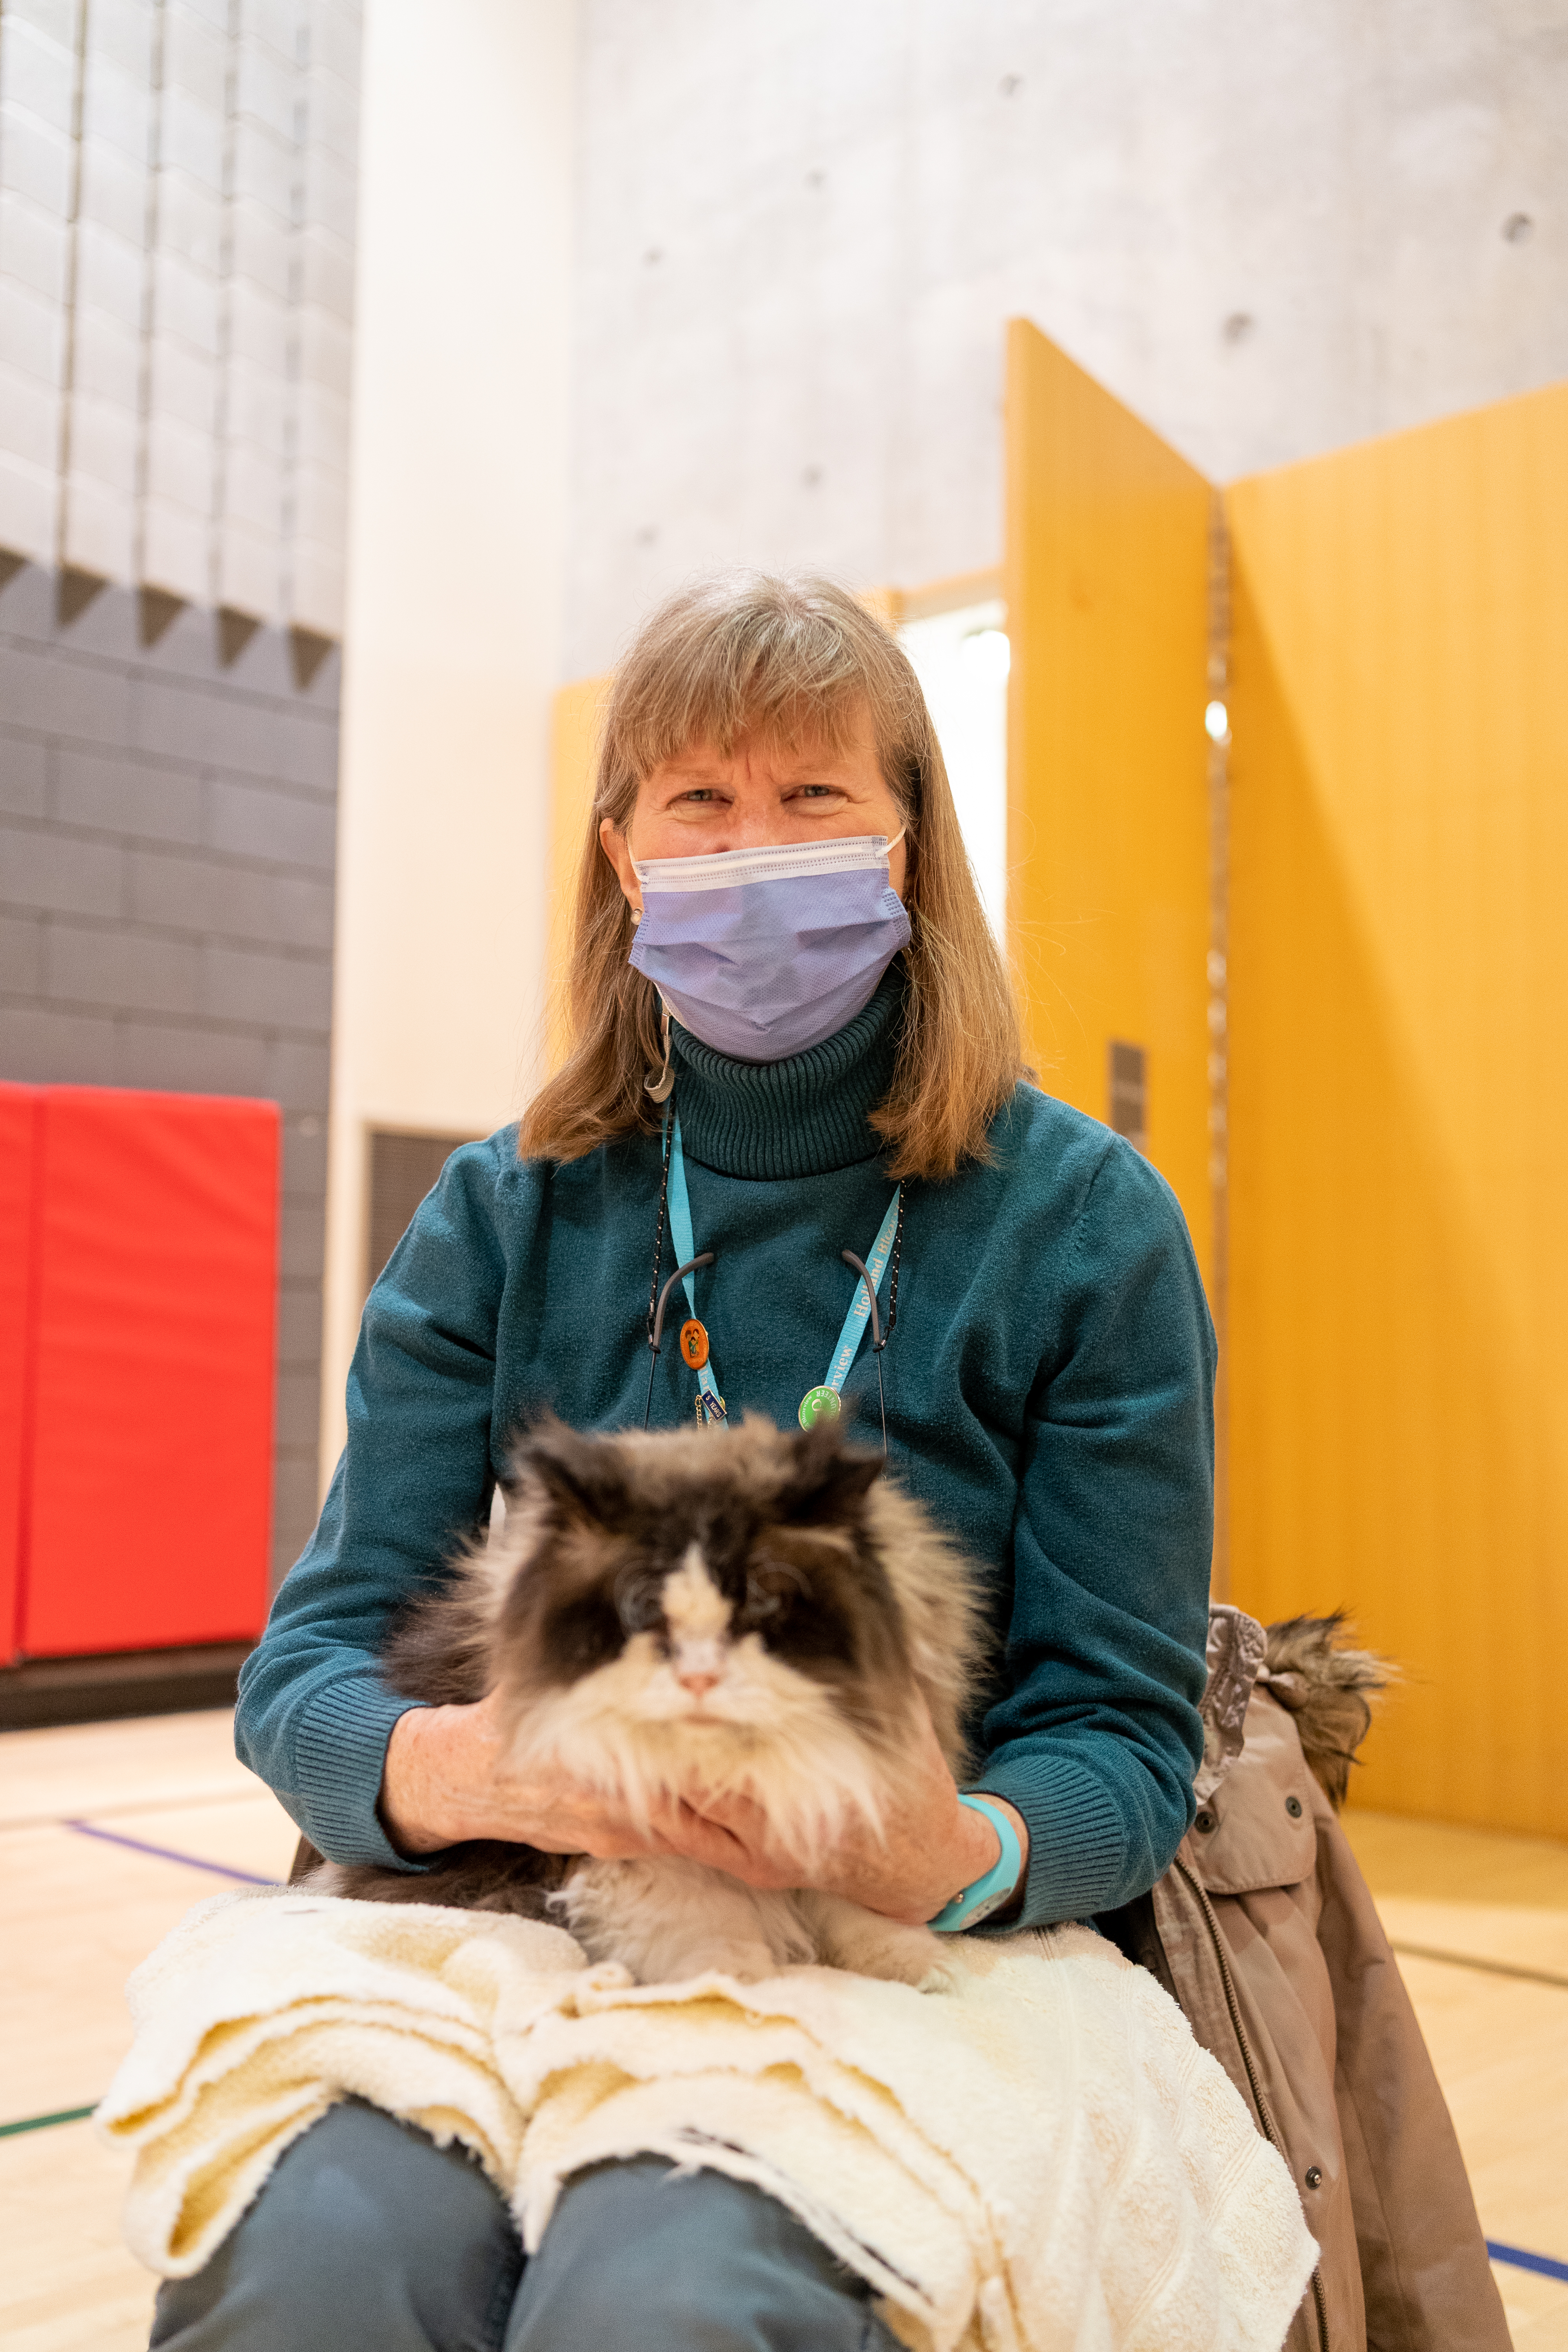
1314, 2175
1293, 1807
1205, 1822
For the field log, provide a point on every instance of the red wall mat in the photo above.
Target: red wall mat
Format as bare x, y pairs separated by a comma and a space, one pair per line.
152, 1459
20, 1108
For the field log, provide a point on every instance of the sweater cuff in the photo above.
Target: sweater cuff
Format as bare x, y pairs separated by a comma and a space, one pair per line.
340, 1755
1078, 1844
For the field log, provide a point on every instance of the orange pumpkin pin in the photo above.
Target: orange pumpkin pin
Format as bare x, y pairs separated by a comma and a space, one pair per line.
694, 1343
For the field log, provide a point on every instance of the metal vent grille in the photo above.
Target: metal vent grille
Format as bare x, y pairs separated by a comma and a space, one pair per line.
403, 1168
1129, 1093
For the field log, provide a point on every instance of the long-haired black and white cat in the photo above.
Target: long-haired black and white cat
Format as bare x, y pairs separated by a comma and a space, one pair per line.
742, 1611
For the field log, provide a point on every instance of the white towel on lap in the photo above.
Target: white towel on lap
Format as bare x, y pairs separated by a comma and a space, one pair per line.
1042, 2159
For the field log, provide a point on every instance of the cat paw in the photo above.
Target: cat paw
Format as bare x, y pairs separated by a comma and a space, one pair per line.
914, 1957
941, 1976
747, 1962
870, 1946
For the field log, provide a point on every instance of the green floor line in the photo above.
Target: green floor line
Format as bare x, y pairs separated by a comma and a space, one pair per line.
42, 2122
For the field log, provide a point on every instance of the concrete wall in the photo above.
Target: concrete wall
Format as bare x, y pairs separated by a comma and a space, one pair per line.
167, 829
177, 252
456, 553
1269, 230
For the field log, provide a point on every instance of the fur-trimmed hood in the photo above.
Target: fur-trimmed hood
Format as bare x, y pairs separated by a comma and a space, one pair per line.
1326, 1686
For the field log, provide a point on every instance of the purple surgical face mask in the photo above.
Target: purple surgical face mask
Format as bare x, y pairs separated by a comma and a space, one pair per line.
763, 953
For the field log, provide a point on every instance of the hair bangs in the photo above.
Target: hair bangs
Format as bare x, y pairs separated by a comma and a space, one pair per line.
717, 676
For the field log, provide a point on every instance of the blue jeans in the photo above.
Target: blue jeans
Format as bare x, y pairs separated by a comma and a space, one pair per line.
368, 2238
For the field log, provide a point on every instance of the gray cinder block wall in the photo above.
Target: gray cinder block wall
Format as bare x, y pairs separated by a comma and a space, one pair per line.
168, 809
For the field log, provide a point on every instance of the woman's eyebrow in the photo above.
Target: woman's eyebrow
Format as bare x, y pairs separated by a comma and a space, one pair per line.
678, 776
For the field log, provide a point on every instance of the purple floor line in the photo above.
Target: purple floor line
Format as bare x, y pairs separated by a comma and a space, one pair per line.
1546, 2264
167, 1854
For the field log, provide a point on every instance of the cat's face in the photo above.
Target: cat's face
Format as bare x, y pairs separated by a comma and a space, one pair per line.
709, 1604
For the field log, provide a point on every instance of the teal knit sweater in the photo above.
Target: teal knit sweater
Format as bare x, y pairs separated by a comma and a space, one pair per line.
1048, 1398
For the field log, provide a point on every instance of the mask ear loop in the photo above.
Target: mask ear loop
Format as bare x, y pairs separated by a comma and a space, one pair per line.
663, 1086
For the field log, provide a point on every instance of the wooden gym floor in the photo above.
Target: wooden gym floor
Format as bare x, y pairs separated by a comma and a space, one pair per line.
108, 1832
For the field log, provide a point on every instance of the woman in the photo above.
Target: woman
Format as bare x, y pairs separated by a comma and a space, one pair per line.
842, 1024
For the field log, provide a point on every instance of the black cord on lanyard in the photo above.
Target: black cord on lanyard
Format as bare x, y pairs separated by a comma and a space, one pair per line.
880, 1337
657, 1298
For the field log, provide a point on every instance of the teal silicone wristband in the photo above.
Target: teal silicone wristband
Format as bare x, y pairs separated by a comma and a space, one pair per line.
988, 1894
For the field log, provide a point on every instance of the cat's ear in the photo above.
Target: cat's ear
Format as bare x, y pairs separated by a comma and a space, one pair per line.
828, 1477
579, 1475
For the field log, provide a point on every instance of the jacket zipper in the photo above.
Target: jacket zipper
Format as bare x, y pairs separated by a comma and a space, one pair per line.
1260, 2103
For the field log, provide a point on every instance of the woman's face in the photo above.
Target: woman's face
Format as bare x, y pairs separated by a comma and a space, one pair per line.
757, 798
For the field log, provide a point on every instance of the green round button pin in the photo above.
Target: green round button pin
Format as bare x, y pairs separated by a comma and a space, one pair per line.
818, 1405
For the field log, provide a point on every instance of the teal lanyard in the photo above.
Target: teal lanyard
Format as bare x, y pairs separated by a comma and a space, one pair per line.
817, 1404
709, 1404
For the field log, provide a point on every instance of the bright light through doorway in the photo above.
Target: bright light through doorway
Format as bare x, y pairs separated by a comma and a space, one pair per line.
961, 659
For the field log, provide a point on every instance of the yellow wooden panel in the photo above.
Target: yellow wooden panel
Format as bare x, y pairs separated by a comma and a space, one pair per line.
578, 720
1106, 573
1399, 1085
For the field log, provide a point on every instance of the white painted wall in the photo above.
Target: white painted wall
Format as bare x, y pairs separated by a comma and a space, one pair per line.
457, 541
802, 227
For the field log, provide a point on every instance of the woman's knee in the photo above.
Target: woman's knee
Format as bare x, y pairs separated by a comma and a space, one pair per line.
367, 2235
639, 2258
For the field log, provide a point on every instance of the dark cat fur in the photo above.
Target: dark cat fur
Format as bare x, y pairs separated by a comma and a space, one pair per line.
817, 1601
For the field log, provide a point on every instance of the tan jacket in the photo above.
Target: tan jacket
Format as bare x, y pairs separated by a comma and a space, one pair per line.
1264, 1931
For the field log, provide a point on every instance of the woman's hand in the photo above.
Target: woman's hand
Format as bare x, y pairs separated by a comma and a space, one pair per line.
449, 1776
931, 1846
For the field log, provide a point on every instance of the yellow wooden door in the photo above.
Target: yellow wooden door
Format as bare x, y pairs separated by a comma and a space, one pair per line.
1398, 1243
1108, 887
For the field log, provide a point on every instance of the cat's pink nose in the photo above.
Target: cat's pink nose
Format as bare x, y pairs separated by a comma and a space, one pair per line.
698, 1685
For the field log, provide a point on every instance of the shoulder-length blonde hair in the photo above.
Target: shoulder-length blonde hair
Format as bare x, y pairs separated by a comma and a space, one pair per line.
789, 660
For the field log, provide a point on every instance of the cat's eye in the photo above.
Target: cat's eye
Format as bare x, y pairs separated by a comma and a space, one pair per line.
639, 1605
770, 1587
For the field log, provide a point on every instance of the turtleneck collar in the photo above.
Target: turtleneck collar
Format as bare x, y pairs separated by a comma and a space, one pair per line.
803, 1117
